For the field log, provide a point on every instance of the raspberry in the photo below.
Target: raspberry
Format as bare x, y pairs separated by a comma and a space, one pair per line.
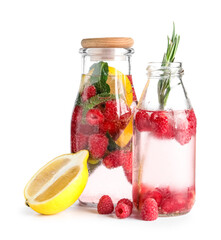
112, 160
88, 92
108, 126
126, 201
94, 117
156, 195
173, 204
97, 145
183, 133
142, 121
191, 117
149, 211
105, 205
79, 142
122, 210
116, 110
110, 112
159, 123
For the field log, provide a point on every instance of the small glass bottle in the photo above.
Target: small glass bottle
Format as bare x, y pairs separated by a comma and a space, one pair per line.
102, 119
164, 142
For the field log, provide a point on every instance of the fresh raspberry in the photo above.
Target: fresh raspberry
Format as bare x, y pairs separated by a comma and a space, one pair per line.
123, 210
142, 121
112, 160
159, 123
110, 112
94, 117
191, 117
116, 110
108, 126
126, 162
79, 142
126, 201
88, 92
183, 134
155, 194
149, 211
97, 145
173, 204
105, 205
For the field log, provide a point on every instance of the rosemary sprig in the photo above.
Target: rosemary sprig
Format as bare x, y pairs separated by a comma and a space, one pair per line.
169, 56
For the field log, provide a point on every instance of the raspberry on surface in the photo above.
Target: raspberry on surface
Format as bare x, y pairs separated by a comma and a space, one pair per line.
126, 201
105, 205
122, 210
149, 210
94, 117
97, 145
79, 142
88, 92
142, 121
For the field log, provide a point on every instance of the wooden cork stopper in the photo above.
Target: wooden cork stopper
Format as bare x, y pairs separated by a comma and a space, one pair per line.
110, 42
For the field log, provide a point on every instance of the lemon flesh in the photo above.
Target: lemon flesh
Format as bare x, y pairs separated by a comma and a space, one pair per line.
58, 184
120, 84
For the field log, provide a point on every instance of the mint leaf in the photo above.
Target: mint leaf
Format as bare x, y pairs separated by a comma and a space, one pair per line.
112, 146
95, 100
99, 77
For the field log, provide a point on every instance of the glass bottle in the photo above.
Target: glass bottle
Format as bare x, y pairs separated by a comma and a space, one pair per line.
102, 119
164, 142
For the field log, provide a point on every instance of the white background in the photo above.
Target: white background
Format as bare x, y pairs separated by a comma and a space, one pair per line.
40, 71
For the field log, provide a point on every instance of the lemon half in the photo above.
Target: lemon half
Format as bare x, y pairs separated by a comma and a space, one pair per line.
58, 184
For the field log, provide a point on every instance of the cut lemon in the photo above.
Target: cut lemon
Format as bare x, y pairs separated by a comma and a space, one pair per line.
126, 135
117, 79
58, 184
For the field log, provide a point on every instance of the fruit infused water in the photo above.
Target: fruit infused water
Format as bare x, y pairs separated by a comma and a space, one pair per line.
102, 123
164, 153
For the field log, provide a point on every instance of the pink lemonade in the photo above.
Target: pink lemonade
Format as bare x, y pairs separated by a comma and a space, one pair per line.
164, 160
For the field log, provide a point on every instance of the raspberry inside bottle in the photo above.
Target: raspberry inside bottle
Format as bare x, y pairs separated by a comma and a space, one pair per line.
164, 143
102, 120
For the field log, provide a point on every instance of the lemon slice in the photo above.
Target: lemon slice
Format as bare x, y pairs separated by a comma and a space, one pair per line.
58, 184
117, 79
126, 135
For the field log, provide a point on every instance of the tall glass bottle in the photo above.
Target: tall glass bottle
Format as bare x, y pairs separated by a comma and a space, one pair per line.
164, 142
102, 119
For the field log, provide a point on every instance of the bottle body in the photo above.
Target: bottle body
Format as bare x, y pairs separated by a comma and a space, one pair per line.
102, 123
164, 146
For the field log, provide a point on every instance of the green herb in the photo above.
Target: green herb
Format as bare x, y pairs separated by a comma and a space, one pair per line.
112, 146
169, 56
99, 77
96, 100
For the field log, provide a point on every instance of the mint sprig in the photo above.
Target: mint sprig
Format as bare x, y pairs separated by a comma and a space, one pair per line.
169, 56
99, 77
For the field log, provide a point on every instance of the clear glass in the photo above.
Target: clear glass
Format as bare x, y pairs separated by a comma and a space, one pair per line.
164, 144
102, 122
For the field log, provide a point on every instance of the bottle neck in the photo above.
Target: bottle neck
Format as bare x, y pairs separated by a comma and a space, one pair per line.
119, 58
164, 89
